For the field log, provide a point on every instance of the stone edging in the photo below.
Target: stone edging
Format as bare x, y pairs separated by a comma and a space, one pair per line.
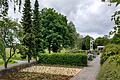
16, 68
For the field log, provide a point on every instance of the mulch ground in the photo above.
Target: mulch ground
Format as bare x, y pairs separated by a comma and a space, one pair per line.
34, 76
41, 72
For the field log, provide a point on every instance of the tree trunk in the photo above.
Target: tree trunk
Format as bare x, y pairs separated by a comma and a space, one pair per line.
4, 59
36, 58
5, 64
10, 51
29, 58
49, 48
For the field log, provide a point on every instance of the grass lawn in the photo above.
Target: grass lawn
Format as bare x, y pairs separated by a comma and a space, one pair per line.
43, 72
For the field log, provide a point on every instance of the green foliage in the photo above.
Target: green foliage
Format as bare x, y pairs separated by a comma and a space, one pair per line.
113, 1
76, 51
8, 35
72, 34
115, 59
37, 30
29, 37
22, 50
64, 59
78, 42
116, 32
116, 19
86, 43
4, 7
102, 41
26, 19
110, 70
2, 48
11, 61
108, 51
116, 39
57, 32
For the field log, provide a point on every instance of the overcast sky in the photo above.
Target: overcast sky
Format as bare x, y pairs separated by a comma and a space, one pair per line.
91, 17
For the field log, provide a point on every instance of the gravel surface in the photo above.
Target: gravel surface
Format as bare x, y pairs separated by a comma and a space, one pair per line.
52, 70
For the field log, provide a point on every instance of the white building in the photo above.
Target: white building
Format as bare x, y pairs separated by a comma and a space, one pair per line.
100, 47
91, 44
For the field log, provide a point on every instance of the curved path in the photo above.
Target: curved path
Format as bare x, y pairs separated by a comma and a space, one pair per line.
90, 72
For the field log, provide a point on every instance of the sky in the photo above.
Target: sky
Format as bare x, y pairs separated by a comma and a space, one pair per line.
91, 17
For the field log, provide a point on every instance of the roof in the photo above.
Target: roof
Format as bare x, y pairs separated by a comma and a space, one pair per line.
100, 46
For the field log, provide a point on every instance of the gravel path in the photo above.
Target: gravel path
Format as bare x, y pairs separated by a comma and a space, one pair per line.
90, 72
52, 70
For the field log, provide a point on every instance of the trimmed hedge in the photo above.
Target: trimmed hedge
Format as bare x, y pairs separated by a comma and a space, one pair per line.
63, 59
110, 70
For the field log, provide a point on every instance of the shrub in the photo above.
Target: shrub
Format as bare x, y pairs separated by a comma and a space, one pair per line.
63, 59
90, 57
76, 51
110, 70
108, 51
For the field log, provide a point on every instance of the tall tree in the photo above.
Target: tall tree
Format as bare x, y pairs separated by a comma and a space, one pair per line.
79, 41
72, 34
55, 31
37, 30
28, 39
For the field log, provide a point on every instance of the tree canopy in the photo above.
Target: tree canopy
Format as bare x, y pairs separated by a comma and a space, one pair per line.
56, 31
102, 41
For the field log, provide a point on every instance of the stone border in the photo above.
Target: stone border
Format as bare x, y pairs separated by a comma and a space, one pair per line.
16, 68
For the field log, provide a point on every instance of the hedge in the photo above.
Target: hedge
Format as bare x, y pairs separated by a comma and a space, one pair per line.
110, 70
64, 59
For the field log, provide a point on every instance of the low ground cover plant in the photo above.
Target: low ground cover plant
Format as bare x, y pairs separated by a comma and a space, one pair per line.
64, 59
